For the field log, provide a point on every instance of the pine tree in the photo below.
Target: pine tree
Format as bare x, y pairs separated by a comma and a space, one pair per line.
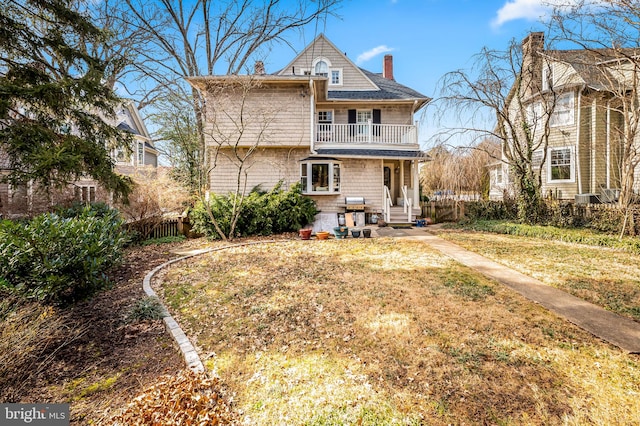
53, 103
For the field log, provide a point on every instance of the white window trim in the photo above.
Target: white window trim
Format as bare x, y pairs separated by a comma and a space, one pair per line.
572, 165
553, 119
321, 59
138, 152
499, 175
339, 70
332, 166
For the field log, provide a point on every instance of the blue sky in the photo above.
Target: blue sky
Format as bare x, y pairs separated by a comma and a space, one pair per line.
427, 38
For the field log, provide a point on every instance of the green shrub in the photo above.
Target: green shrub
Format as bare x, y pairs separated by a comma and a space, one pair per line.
164, 240
490, 210
148, 308
58, 259
261, 213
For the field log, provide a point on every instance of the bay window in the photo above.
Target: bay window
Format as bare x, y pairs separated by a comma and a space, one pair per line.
320, 177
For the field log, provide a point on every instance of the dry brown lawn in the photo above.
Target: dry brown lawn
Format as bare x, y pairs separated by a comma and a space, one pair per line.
604, 276
386, 331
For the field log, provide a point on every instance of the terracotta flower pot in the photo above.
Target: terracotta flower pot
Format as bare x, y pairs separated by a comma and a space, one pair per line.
305, 234
322, 235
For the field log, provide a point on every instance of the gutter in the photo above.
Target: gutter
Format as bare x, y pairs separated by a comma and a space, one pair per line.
312, 101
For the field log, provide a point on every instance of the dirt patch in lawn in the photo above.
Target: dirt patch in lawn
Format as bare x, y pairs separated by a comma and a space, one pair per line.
88, 355
387, 331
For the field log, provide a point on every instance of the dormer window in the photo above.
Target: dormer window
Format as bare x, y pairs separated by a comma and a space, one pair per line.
321, 68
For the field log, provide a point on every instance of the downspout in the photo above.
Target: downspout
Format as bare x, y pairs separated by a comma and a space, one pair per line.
578, 169
312, 114
608, 150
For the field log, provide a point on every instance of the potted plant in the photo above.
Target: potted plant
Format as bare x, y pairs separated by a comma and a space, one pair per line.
322, 235
340, 232
305, 234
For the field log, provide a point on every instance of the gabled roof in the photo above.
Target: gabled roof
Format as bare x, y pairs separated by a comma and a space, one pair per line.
310, 46
389, 90
593, 65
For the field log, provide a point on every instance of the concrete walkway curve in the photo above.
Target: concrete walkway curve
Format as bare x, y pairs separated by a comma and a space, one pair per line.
613, 328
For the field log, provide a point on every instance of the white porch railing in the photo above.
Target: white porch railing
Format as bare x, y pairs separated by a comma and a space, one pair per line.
407, 203
394, 134
386, 205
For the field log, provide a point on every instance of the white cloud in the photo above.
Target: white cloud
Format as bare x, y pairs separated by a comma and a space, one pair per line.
365, 56
530, 9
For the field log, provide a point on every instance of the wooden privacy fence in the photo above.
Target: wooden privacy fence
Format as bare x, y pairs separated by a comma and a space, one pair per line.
156, 229
443, 210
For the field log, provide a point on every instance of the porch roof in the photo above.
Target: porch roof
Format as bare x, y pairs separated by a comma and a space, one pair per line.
374, 153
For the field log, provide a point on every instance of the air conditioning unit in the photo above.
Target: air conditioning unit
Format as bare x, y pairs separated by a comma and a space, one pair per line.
610, 195
587, 199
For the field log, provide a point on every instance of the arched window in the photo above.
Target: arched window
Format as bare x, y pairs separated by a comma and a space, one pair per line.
321, 68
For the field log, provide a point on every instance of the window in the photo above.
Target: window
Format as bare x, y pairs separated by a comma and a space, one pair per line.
336, 77
140, 153
547, 76
363, 118
321, 68
320, 177
120, 156
325, 126
499, 175
86, 193
534, 115
564, 111
561, 164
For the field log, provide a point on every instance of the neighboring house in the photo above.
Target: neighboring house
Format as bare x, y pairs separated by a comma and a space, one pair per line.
27, 200
583, 160
347, 134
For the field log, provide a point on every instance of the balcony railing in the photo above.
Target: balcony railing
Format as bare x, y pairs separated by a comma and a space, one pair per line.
394, 134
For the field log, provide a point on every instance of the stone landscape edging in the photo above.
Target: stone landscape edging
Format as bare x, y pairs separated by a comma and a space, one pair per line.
191, 357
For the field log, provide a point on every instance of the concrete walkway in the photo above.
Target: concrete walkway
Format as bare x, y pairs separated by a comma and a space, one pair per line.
613, 328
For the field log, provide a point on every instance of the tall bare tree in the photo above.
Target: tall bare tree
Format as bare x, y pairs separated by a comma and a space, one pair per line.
501, 99
192, 39
609, 34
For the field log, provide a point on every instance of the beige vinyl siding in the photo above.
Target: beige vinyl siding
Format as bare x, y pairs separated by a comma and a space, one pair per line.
564, 74
389, 114
598, 146
358, 178
266, 167
353, 78
271, 116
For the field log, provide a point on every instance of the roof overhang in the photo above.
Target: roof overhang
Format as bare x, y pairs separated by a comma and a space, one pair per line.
387, 154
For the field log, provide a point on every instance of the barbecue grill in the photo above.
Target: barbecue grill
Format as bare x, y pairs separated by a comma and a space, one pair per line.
354, 204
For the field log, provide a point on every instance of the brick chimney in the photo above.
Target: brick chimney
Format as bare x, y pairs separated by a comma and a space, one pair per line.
387, 67
258, 68
532, 46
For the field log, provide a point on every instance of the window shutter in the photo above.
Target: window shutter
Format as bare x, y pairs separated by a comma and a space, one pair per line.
377, 116
376, 120
351, 119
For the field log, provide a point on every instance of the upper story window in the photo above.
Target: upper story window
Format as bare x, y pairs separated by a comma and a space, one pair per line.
140, 153
564, 111
336, 77
321, 68
120, 155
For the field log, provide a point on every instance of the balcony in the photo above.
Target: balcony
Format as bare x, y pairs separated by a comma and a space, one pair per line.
367, 133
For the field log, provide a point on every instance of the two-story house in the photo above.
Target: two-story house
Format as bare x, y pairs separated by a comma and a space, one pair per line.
347, 134
588, 121
29, 199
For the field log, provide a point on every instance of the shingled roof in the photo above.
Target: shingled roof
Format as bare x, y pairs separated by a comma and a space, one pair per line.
389, 90
593, 66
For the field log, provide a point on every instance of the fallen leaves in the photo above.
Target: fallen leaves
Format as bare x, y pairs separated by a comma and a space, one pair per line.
188, 398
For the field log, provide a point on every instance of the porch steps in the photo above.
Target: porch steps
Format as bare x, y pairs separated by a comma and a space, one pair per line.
399, 218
